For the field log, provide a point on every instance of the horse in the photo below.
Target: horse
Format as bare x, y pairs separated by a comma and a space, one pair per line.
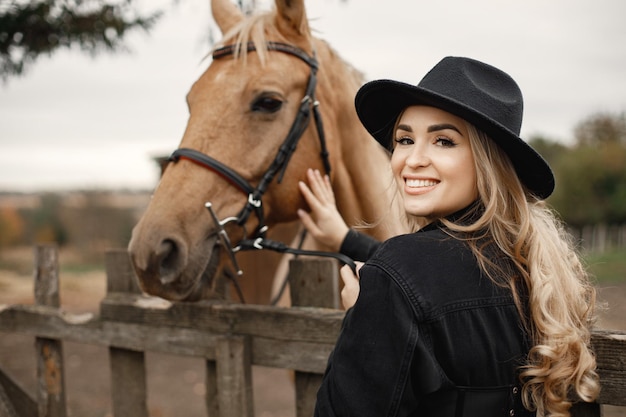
274, 102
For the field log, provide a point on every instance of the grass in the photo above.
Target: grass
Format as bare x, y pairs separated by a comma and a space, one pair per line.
21, 261
79, 268
608, 267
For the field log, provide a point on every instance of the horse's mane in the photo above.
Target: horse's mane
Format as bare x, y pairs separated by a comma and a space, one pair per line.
253, 29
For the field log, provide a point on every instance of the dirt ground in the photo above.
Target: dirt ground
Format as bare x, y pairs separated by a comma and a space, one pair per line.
175, 384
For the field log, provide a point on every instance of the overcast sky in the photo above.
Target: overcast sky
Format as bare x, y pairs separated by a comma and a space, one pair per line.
78, 122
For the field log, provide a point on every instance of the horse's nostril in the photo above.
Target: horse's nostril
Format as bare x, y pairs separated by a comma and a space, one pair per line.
168, 256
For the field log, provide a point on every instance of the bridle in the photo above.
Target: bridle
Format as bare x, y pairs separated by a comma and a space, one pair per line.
254, 203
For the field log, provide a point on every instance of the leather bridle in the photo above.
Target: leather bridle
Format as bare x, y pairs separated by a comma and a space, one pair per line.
308, 105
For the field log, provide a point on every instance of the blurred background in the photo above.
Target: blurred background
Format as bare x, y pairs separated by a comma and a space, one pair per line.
92, 97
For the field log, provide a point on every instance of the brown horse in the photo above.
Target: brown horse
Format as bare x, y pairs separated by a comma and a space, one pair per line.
239, 153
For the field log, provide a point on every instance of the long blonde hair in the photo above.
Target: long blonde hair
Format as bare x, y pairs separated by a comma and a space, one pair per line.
519, 243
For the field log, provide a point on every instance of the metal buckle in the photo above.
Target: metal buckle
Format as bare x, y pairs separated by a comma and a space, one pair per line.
252, 201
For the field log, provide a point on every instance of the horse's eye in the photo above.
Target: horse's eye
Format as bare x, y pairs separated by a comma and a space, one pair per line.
266, 104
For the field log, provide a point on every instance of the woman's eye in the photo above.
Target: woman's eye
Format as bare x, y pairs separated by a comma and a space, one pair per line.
445, 142
404, 140
266, 105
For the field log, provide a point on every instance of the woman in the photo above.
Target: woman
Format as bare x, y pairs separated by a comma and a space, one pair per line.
484, 309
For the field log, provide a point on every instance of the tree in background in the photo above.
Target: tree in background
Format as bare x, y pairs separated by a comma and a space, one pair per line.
94, 223
11, 226
551, 150
45, 221
591, 175
29, 29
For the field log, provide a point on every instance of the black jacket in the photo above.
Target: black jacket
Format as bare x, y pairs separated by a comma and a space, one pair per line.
430, 335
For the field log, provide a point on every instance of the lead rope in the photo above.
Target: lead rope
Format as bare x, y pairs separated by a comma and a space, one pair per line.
262, 243
283, 286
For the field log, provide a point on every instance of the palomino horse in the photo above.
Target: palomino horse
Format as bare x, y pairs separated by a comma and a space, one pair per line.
248, 111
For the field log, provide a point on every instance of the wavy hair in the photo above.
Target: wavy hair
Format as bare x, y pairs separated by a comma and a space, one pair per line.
519, 243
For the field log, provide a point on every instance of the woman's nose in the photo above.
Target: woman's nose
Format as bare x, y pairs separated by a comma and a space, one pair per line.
418, 157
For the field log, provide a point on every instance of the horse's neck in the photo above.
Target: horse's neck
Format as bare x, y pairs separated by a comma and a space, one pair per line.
365, 189
362, 180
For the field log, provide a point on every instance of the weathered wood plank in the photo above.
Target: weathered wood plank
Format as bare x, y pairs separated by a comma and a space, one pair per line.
297, 356
14, 400
269, 347
128, 383
307, 355
6, 404
51, 397
211, 398
119, 272
303, 324
234, 377
307, 385
47, 276
312, 283
610, 350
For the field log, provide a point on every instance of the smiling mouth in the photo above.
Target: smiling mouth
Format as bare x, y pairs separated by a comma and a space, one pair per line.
417, 183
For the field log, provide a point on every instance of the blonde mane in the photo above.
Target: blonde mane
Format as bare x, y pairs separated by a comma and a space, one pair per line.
254, 28
251, 29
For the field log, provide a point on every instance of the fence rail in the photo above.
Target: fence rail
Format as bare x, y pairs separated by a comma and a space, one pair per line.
230, 337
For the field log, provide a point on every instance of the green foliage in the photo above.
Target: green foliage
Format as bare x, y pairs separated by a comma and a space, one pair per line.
549, 149
608, 267
45, 221
601, 129
11, 226
30, 29
90, 222
591, 175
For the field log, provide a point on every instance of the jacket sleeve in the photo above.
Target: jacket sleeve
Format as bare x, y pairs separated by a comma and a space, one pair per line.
358, 246
368, 373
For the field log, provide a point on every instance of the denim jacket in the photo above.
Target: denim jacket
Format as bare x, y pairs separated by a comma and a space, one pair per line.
430, 335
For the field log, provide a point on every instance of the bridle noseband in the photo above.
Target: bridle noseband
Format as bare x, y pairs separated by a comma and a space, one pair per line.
308, 106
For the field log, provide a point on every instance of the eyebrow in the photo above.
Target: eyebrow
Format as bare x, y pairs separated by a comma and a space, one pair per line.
432, 128
443, 126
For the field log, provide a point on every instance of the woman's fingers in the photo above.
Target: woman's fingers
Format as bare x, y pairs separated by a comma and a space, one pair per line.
351, 285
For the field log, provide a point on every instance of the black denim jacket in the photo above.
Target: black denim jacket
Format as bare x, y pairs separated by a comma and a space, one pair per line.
430, 335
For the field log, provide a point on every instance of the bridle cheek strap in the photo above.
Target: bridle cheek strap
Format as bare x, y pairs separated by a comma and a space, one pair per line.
229, 175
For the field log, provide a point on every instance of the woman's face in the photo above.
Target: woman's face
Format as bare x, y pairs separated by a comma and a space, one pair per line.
432, 162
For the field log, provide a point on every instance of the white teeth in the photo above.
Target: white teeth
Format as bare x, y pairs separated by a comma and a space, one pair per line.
420, 183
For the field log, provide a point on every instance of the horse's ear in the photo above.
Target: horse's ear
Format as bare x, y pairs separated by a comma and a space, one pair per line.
292, 15
226, 14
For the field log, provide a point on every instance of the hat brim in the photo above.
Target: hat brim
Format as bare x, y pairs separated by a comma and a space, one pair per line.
379, 103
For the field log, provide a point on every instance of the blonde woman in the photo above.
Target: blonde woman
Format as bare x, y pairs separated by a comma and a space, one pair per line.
484, 309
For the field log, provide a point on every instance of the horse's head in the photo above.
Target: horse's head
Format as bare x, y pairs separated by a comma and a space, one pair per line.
233, 152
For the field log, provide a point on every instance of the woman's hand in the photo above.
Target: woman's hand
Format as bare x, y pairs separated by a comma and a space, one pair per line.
351, 285
324, 222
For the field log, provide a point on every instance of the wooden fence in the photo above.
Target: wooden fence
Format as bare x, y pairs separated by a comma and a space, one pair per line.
230, 337
600, 238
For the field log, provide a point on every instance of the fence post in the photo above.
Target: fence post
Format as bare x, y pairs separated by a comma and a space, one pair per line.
312, 283
210, 396
234, 376
50, 373
128, 369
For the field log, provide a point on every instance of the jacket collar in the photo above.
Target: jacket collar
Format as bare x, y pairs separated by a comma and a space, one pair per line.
465, 216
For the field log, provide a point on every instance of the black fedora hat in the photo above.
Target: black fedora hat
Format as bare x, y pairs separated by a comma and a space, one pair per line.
483, 95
